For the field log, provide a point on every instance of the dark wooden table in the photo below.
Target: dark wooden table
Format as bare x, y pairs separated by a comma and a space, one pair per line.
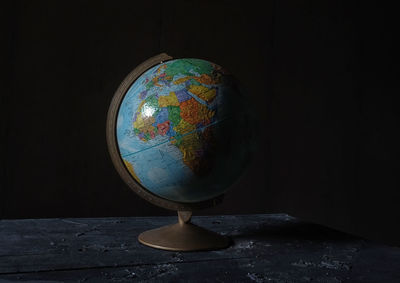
266, 248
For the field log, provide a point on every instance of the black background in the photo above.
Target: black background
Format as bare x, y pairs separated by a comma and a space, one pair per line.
323, 74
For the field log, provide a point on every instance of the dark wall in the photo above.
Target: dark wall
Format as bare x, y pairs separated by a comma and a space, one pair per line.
334, 142
67, 60
323, 75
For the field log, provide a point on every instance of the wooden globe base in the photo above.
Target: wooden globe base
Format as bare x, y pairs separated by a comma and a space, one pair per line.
183, 236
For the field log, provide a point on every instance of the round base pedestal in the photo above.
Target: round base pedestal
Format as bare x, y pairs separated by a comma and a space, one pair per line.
183, 236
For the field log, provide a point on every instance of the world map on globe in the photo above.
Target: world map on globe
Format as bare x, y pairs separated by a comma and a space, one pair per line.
178, 129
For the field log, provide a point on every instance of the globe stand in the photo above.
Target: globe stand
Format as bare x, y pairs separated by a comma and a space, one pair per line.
183, 236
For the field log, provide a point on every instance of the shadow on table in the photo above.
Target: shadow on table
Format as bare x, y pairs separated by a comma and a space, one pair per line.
292, 231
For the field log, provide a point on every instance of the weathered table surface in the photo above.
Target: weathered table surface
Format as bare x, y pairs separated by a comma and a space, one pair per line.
266, 248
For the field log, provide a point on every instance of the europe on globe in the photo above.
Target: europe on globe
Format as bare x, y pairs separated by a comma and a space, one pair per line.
182, 130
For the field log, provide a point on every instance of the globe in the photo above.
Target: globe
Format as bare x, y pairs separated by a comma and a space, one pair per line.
177, 130
178, 133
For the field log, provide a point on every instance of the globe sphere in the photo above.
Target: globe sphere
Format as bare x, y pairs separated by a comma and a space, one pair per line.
182, 130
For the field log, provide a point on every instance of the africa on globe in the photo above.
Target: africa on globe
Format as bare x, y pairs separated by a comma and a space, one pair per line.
182, 130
